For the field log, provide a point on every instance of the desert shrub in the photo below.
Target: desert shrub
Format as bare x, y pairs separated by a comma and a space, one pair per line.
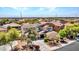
62, 33
4, 39
70, 30
46, 39
13, 33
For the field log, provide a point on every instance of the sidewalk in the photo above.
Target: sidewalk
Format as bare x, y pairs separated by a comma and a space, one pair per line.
44, 47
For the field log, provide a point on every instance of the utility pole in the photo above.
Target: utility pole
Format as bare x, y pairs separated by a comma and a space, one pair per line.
56, 17
20, 14
20, 10
76, 16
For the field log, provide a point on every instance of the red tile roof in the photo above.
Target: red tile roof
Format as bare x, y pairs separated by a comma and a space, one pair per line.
3, 29
43, 23
57, 23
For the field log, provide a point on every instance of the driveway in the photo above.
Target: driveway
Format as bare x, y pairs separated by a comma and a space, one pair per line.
72, 47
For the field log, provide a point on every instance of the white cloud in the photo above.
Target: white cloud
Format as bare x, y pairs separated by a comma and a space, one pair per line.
14, 8
50, 9
41, 8
20, 8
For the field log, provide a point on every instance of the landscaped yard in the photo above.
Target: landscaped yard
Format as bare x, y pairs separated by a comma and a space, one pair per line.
35, 35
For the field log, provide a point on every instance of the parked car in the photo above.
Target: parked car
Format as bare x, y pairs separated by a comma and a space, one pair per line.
77, 37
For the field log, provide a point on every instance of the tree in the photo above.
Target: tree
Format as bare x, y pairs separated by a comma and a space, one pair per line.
62, 33
3, 21
13, 33
32, 34
8, 37
2, 38
69, 31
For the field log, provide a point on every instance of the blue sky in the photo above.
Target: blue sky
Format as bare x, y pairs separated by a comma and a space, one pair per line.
38, 11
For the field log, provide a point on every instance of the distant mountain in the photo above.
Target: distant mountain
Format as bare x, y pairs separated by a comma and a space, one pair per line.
36, 17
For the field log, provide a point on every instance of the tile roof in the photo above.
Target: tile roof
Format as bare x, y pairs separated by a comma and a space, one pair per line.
12, 25
3, 29
27, 25
57, 23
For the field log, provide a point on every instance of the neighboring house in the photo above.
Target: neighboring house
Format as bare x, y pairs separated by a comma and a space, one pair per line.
26, 26
76, 20
57, 25
46, 26
63, 21
14, 25
43, 23
3, 29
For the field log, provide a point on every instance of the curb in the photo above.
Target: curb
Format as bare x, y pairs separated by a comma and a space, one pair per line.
45, 47
64, 45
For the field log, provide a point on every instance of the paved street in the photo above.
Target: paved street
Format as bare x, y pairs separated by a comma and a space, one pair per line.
72, 47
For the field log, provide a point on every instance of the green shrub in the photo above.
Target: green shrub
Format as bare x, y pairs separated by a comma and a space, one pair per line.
32, 34
4, 39
46, 39
13, 33
70, 30
62, 33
